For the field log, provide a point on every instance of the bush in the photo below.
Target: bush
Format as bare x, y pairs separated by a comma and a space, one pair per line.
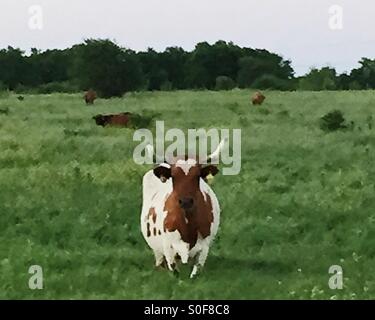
166, 86
48, 88
355, 85
333, 121
319, 79
224, 83
24, 89
144, 120
269, 81
63, 87
4, 92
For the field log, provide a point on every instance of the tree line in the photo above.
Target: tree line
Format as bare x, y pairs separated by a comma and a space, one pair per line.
111, 70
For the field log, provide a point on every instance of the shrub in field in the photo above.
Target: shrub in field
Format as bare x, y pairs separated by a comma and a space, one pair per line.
4, 111
332, 121
144, 120
224, 83
370, 122
264, 111
283, 113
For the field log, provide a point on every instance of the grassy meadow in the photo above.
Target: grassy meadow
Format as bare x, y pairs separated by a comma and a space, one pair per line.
70, 198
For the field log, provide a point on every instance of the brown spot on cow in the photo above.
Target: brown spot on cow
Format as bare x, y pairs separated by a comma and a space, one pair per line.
189, 223
258, 98
152, 214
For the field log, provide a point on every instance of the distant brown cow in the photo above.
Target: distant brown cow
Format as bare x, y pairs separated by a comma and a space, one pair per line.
118, 120
258, 98
90, 96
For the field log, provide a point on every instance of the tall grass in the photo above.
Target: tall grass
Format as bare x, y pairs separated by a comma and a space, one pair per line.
70, 198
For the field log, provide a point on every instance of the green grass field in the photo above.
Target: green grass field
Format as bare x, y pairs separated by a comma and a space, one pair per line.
70, 198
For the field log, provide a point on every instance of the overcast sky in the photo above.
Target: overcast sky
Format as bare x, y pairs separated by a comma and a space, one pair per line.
297, 29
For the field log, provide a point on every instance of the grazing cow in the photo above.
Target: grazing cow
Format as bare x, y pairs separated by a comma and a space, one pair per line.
90, 96
118, 120
258, 98
180, 212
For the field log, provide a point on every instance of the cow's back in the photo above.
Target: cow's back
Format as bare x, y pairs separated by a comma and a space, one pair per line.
120, 120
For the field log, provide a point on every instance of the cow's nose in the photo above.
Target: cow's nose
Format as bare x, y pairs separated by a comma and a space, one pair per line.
186, 203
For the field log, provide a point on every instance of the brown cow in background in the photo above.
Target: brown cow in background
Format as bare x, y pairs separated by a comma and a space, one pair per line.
258, 98
90, 97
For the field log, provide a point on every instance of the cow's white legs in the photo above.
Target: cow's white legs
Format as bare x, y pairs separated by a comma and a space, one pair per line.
159, 258
182, 248
169, 254
200, 260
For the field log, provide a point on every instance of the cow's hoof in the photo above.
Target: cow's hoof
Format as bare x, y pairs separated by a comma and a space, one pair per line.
195, 273
161, 265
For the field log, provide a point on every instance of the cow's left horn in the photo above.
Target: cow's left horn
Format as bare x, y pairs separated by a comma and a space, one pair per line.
214, 157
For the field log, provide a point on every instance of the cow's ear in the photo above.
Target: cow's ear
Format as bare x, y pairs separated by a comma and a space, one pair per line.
162, 173
205, 171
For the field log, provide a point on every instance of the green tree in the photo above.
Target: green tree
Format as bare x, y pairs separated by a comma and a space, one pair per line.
224, 83
365, 74
106, 67
155, 75
13, 68
319, 79
173, 62
258, 64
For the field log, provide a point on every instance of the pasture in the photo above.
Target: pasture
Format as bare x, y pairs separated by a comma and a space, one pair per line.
70, 198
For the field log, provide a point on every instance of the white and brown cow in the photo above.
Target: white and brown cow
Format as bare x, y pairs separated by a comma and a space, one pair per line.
180, 213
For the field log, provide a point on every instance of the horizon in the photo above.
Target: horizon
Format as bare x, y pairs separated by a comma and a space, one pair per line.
300, 33
27, 52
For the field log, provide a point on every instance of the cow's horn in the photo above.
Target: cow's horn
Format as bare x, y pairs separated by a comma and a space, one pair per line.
214, 157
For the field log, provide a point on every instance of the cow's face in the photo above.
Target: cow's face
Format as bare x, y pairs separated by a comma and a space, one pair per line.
100, 120
185, 175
